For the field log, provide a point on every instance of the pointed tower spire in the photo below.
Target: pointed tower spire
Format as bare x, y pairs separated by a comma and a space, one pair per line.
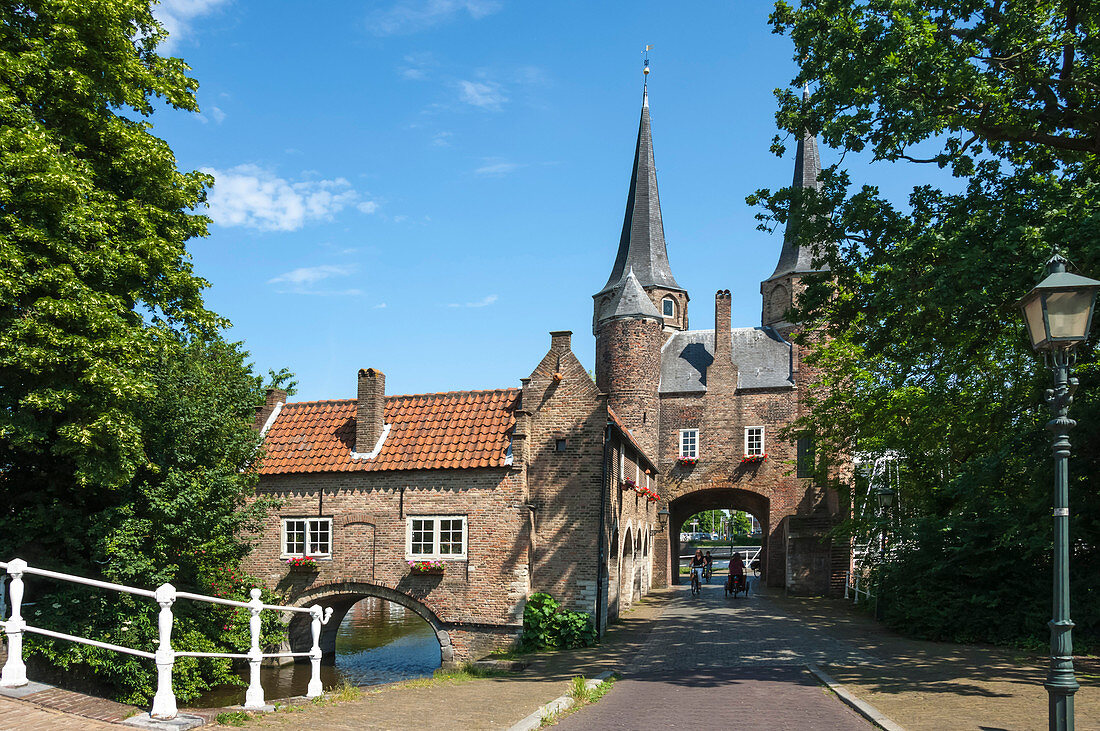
642, 243
797, 258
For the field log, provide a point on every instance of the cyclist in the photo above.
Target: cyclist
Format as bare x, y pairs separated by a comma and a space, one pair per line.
737, 572
710, 567
698, 563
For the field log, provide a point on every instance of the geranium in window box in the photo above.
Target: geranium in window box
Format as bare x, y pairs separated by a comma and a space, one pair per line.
303, 565
687, 461
753, 458
629, 485
426, 568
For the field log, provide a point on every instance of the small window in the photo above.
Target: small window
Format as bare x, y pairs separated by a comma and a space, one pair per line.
307, 537
436, 536
689, 443
754, 440
805, 458
668, 307
559, 445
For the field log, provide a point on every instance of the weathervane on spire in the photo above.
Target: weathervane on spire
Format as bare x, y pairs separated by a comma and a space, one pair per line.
645, 68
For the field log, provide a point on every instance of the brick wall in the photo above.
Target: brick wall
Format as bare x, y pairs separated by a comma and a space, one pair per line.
370, 512
628, 369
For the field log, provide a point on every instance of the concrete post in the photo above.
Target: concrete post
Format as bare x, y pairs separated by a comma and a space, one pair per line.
164, 702
254, 696
15, 671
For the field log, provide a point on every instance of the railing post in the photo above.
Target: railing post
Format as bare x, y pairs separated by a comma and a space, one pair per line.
15, 671
254, 696
317, 617
3, 596
847, 582
164, 702
856, 599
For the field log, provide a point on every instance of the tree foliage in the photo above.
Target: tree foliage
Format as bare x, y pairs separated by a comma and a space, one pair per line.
926, 354
125, 436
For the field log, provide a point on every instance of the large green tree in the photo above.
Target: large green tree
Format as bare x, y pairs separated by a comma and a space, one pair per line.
125, 439
926, 355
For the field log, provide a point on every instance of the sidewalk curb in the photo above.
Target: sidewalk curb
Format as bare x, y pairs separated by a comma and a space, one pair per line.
863, 708
557, 705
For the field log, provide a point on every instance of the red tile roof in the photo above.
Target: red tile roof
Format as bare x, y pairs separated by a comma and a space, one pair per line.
629, 435
461, 429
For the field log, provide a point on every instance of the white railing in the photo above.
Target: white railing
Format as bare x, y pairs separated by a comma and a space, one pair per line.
750, 552
14, 673
852, 589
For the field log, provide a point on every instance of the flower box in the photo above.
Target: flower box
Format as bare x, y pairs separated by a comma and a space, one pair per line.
629, 485
687, 461
426, 568
753, 458
303, 565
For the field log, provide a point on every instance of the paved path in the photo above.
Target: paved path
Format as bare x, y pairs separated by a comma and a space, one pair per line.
713, 662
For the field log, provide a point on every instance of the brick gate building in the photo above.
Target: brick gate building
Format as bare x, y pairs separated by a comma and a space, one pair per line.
556, 485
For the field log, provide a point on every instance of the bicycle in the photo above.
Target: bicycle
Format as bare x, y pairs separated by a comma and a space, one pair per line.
706, 573
696, 587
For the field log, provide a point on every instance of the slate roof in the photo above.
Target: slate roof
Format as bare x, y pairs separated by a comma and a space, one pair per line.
795, 257
642, 243
457, 430
763, 360
628, 299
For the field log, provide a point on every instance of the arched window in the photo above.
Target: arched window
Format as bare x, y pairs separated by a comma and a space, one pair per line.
668, 307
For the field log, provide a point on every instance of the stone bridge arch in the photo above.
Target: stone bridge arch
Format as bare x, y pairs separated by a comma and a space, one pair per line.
341, 596
729, 498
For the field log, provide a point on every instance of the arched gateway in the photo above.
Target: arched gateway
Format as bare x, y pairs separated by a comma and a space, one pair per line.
721, 498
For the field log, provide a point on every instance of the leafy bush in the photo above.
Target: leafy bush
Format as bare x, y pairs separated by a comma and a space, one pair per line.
547, 626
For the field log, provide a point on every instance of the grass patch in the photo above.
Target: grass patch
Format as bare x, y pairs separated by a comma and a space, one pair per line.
461, 674
582, 696
233, 718
343, 693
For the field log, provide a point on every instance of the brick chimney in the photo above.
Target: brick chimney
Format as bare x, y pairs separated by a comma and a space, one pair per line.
722, 374
369, 409
561, 339
272, 398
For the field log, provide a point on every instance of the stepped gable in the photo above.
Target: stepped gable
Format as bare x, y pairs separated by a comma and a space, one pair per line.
763, 360
456, 430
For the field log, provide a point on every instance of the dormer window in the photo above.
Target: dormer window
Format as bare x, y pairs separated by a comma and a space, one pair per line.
668, 307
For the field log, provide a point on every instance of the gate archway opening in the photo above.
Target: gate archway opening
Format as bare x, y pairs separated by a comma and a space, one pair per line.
684, 507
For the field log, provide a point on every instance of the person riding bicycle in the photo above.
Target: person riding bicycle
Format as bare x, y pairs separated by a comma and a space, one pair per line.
710, 567
698, 563
737, 571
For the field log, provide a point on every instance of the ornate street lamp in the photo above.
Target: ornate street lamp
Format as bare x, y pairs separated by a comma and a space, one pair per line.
1058, 313
884, 496
662, 518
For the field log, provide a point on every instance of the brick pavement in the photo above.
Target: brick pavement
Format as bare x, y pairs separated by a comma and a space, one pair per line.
16, 715
713, 662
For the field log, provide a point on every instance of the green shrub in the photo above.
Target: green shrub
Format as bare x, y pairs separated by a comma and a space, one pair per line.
547, 626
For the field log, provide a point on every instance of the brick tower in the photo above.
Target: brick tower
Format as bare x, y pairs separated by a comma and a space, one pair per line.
796, 258
640, 303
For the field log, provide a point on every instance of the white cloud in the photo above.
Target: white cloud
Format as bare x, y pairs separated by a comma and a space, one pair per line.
410, 16
177, 17
367, 207
251, 196
217, 114
380, 306
304, 279
495, 167
484, 95
441, 139
484, 302
416, 66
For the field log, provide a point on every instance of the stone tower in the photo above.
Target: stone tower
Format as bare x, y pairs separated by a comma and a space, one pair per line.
796, 258
639, 303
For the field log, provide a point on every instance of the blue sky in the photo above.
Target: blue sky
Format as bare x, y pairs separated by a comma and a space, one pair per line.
430, 186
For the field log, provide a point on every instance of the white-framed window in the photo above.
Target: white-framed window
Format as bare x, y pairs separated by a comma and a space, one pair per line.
622, 465
754, 440
307, 537
668, 307
689, 443
435, 536
638, 473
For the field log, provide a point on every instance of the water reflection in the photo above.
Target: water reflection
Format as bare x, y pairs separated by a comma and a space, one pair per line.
378, 642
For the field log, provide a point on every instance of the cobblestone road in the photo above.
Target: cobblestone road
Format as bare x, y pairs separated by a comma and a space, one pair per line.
714, 662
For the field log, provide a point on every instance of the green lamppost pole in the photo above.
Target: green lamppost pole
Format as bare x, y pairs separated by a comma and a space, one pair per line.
1058, 313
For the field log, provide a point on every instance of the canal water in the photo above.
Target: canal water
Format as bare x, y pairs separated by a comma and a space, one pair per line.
378, 642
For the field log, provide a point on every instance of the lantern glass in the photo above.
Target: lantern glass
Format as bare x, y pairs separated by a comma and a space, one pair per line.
1036, 326
1067, 314
885, 498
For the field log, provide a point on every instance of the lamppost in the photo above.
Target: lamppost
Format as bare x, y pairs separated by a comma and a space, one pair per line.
1058, 313
884, 496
